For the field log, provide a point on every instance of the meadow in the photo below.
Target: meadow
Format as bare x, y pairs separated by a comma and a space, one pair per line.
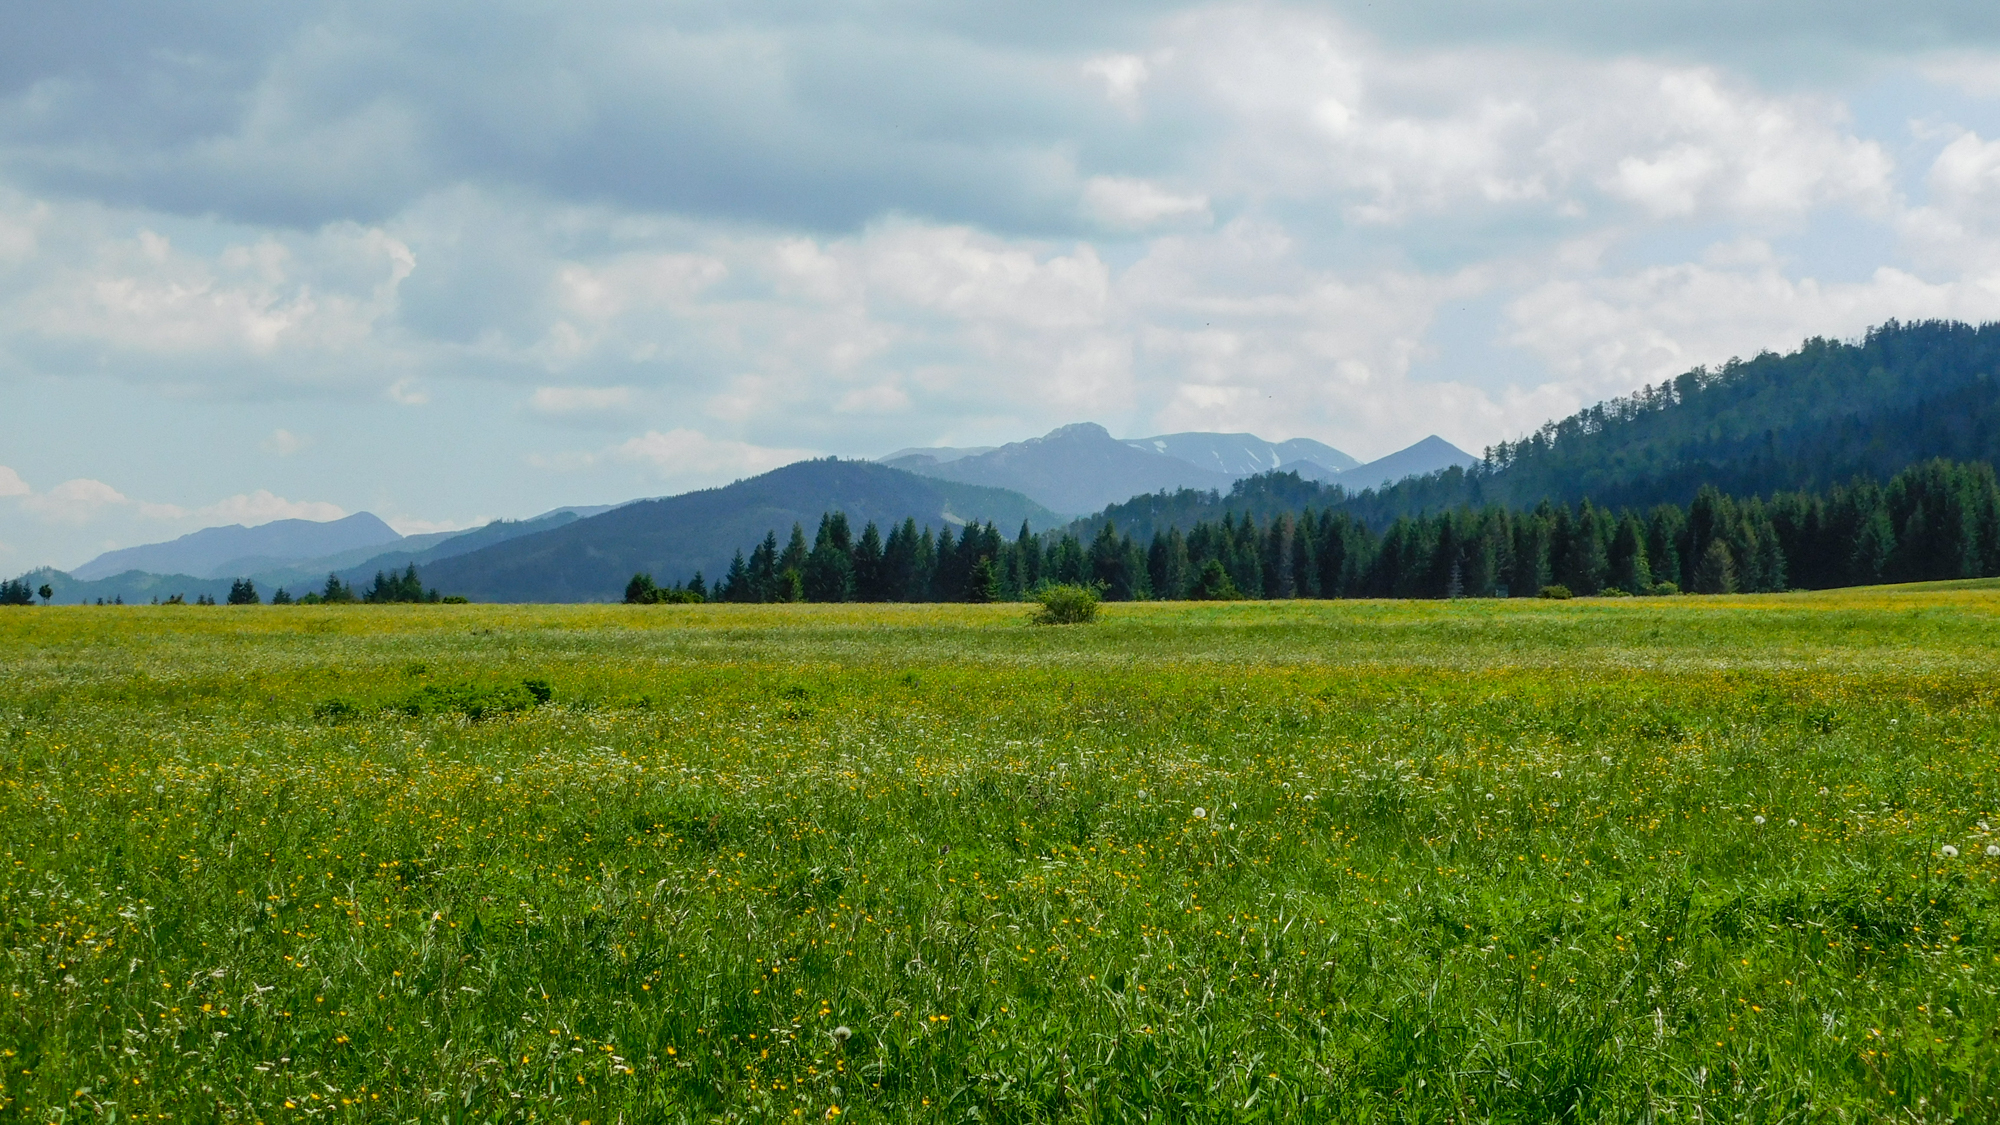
1675, 859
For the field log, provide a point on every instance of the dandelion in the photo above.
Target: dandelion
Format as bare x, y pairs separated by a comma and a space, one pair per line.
1555, 773
1200, 813
1142, 794
1757, 820
1790, 823
1950, 852
842, 1033
1993, 851
1489, 796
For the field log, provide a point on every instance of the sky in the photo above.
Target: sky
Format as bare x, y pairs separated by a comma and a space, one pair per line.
455, 262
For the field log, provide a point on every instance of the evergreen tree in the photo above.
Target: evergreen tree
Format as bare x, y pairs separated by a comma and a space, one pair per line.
1717, 572
984, 583
828, 569
1630, 569
736, 585
868, 570
243, 592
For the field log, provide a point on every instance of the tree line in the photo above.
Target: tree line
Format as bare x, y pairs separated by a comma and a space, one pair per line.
1935, 520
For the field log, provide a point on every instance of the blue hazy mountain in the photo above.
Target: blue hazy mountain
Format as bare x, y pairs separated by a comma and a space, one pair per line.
220, 552
1074, 469
1430, 455
590, 560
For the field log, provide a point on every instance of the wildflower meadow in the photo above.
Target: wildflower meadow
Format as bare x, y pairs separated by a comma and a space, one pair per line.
1650, 859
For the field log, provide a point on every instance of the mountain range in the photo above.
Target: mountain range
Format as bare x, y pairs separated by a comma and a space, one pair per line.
673, 537
1079, 469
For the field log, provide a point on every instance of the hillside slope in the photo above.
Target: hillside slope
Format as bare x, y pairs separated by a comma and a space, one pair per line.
1815, 417
671, 538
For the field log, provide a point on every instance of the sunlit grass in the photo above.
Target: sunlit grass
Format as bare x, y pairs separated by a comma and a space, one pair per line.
1475, 860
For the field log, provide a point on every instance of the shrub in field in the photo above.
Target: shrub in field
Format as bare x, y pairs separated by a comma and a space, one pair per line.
477, 701
1067, 604
1557, 590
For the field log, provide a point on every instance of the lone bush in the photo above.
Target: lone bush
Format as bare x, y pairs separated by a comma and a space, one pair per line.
1558, 590
1066, 604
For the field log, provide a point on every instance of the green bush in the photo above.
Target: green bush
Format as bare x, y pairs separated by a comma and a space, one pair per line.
1556, 590
476, 701
1665, 589
1066, 604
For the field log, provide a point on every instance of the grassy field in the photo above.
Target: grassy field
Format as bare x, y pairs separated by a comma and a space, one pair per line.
1693, 859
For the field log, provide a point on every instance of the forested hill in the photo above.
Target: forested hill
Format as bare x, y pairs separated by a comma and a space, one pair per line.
1824, 414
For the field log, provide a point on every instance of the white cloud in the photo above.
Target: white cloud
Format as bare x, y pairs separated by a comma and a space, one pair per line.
580, 400
262, 506
284, 442
288, 306
83, 501
1608, 335
11, 483
1122, 75
1131, 204
683, 454
410, 525
406, 392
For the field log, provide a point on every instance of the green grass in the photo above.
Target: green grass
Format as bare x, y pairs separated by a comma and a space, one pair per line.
1454, 862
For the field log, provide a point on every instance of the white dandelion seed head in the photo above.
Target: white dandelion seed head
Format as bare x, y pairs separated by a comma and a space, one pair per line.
1142, 794
1983, 828
843, 1033
1790, 823
1555, 773
1993, 851
1756, 820
1200, 813
1489, 796
1949, 851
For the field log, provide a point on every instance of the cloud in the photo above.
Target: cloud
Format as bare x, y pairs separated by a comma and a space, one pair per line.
262, 506
684, 453
561, 401
83, 500
274, 305
406, 392
410, 525
1612, 334
284, 443
1130, 204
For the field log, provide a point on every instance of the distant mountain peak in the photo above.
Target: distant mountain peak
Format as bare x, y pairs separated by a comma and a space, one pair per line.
1076, 431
